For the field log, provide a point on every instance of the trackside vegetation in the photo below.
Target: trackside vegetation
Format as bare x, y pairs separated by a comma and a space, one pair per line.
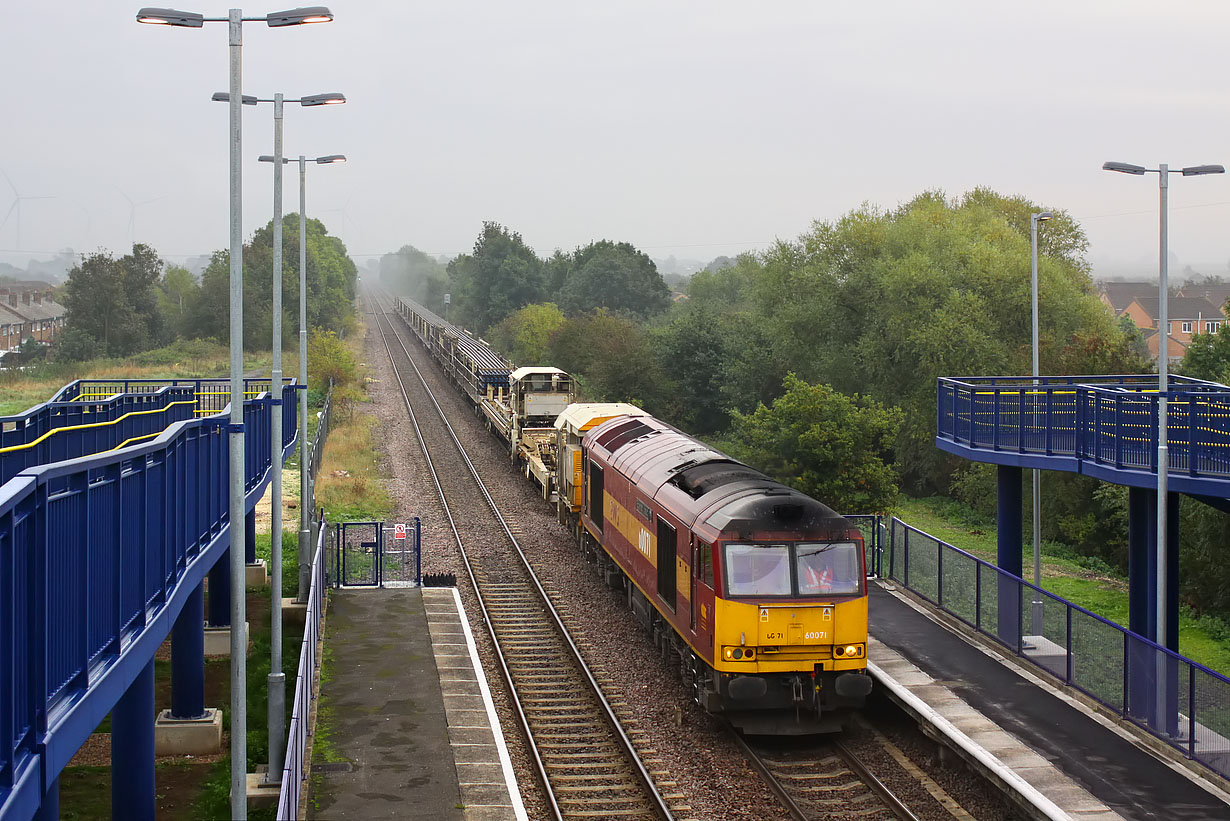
816, 359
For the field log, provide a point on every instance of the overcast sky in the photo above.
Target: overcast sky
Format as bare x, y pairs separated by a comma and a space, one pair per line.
686, 128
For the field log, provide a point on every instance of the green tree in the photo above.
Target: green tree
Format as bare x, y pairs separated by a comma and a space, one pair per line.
1208, 356
114, 302
421, 277
523, 335
331, 278
833, 447
177, 292
610, 357
500, 276
614, 276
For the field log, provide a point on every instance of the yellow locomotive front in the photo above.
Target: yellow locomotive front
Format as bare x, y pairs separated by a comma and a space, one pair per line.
790, 632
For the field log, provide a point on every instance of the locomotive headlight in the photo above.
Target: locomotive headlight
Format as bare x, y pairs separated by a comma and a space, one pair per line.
850, 651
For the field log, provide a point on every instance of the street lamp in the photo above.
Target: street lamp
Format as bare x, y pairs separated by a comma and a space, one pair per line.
277, 679
306, 504
1034, 219
235, 21
1163, 360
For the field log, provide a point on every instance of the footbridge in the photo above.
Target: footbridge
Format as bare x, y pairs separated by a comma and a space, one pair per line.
113, 510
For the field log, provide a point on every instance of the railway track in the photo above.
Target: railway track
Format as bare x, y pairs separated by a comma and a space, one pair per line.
587, 764
823, 779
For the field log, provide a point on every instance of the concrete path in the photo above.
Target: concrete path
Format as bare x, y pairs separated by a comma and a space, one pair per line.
383, 711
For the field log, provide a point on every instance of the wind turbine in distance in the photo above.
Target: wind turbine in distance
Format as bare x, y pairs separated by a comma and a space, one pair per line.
345, 219
132, 214
15, 209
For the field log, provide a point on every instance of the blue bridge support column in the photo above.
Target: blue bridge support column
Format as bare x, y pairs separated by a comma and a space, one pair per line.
1008, 552
132, 750
249, 537
220, 592
1144, 663
188, 659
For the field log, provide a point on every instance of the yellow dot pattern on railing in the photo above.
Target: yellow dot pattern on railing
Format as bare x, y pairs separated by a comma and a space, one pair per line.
85, 425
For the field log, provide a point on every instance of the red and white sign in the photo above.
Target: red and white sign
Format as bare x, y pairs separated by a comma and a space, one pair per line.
399, 531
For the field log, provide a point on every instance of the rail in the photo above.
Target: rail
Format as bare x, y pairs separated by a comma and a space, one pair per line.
294, 772
212, 394
1093, 424
55, 431
97, 557
1175, 699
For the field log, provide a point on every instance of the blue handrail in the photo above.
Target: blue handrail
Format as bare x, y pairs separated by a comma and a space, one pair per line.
1102, 425
97, 557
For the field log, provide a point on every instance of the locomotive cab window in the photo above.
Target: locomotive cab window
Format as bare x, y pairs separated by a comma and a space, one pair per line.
595, 495
802, 569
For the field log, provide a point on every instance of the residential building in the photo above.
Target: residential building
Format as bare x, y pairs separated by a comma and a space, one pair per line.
1118, 295
27, 313
1186, 317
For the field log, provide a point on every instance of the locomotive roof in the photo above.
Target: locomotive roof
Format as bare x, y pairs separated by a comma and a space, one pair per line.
699, 484
580, 415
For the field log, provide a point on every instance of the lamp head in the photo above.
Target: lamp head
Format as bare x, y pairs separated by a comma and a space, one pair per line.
331, 98
1200, 170
171, 17
1124, 168
225, 97
1042, 216
331, 158
269, 158
299, 17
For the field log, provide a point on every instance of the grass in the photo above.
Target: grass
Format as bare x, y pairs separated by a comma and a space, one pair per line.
1089, 583
22, 390
350, 486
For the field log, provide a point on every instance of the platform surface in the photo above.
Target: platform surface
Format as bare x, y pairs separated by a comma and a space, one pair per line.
384, 712
1115, 771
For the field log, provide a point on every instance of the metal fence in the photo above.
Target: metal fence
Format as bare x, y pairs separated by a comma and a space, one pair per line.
55, 431
1175, 699
294, 772
97, 556
1107, 420
212, 395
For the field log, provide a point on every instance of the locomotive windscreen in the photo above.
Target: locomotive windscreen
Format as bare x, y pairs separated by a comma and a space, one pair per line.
698, 480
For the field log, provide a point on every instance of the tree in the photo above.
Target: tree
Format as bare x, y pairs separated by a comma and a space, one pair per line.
523, 336
114, 303
331, 277
177, 292
614, 276
835, 448
411, 272
1208, 356
500, 276
610, 357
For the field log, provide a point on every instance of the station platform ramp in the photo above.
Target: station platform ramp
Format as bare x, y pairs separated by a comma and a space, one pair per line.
1087, 764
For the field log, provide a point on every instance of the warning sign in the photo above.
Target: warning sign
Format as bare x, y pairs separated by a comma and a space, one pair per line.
399, 531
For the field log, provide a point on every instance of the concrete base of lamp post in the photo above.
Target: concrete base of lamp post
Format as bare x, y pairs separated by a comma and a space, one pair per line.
188, 736
294, 614
218, 641
256, 574
261, 792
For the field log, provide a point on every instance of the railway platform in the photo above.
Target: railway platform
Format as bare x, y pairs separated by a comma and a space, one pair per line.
1079, 761
406, 714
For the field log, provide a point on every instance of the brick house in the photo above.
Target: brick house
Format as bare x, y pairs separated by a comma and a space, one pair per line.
28, 312
1187, 316
1119, 295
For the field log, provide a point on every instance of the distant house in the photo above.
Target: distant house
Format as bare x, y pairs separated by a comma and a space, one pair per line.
1118, 295
27, 311
1217, 294
1186, 316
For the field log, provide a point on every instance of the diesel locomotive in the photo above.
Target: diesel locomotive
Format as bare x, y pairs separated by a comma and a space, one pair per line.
756, 590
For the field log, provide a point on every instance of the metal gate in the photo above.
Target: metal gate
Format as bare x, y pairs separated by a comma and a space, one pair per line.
358, 553
376, 554
401, 562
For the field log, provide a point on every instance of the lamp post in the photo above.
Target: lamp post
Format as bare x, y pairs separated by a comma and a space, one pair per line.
277, 679
305, 492
1034, 219
235, 21
1163, 362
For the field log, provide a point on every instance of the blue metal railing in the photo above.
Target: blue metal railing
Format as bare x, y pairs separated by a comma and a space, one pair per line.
55, 431
212, 394
1183, 703
1107, 422
297, 751
97, 556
